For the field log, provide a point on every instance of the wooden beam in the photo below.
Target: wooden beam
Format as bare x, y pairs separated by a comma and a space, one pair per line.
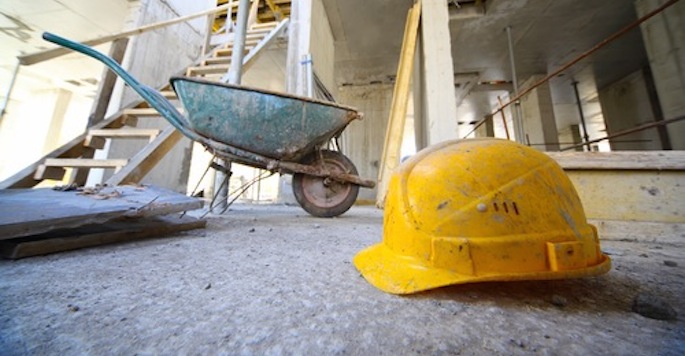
390, 158
143, 162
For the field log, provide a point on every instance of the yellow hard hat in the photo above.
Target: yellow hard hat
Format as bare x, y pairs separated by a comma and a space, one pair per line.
480, 210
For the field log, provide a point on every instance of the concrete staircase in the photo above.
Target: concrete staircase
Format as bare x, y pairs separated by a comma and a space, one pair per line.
78, 153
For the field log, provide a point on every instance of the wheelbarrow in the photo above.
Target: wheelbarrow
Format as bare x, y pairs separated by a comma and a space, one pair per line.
262, 129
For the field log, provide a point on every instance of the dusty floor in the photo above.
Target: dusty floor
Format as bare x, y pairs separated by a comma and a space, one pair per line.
272, 280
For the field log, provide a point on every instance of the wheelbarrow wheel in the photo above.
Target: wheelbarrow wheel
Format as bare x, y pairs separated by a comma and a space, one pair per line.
324, 197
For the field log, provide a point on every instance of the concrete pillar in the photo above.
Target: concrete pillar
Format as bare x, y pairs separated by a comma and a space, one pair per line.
309, 33
626, 104
538, 117
59, 109
362, 141
299, 41
435, 103
664, 39
487, 129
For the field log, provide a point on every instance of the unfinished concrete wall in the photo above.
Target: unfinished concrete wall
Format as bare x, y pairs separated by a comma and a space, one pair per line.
665, 44
152, 58
363, 140
43, 121
626, 104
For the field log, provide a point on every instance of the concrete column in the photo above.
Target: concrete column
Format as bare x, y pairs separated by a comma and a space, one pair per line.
487, 129
626, 104
362, 141
436, 83
299, 43
538, 117
309, 32
664, 38
59, 109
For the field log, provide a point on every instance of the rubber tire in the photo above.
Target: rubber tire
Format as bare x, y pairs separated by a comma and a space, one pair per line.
334, 159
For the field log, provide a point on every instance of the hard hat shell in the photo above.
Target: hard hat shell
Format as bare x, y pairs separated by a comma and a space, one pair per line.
480, 210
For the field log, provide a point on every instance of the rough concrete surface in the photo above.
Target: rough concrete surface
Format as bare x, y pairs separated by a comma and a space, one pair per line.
273, 280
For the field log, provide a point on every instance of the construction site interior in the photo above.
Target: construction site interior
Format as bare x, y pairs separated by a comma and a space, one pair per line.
136, 219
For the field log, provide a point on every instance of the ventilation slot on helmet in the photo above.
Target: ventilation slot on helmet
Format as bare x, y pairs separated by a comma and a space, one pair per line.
506, 206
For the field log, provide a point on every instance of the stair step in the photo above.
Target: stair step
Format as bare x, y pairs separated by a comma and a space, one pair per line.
97, 138
53, 168
216, 60
249, 41
145, 112
227, 52
85, 163
211, 69
264, 25
169, 94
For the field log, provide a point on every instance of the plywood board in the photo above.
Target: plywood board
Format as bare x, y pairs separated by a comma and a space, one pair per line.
122, 230
25, 212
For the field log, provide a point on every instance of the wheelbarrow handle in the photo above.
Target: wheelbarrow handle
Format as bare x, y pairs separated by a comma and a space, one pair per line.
152, 96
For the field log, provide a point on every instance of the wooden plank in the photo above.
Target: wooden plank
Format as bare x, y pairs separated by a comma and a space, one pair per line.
89, 163
97, 138
169, 94
209, 69
96, 235
25, 212
124, 133
390, 158
227, 52
143, 162
621, 160
142, 112
265, 25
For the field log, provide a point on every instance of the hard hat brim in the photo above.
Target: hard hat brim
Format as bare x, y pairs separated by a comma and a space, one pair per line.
396, 274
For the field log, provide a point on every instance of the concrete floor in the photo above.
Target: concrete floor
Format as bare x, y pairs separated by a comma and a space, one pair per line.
273, 280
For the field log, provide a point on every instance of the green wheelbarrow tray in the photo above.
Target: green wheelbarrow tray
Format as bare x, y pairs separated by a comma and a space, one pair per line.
259, 128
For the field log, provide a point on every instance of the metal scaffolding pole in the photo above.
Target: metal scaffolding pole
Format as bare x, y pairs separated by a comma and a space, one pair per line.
586, 137
516, 112
232, 77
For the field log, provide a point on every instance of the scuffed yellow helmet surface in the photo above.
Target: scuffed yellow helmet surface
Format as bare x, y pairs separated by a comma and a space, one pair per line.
480, 210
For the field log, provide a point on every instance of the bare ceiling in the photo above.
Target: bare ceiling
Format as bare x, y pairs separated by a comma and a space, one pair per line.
368, 36
22, 23
546, 34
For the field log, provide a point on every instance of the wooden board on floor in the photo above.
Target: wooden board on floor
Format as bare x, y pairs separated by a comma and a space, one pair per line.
122, 230
25, 212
